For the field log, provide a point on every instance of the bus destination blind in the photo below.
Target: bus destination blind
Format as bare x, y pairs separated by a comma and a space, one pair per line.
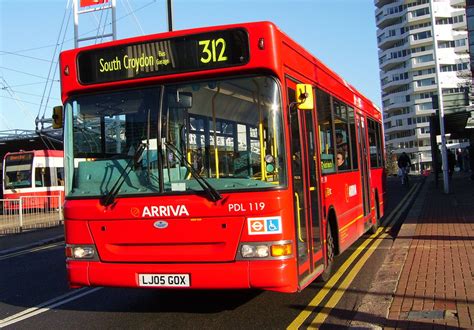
211, 50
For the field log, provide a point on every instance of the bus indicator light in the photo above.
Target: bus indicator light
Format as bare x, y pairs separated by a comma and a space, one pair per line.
281, 250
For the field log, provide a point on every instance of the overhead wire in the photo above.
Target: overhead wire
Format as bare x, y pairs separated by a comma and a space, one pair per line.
50, 78
24, 93
83, 34
56, 66
19, 102
53, 57
99, 23
27, 73
103, 28
130, 9
12, 98
3, 52
29, 84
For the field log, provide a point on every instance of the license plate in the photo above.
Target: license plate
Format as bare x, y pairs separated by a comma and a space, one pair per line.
164, 280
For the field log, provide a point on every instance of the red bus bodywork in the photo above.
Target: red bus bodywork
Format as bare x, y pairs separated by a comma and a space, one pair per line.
202, 238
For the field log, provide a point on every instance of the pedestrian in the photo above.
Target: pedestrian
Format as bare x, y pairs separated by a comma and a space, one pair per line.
459, 159
451, 163
471, 159
465, 159
404, 164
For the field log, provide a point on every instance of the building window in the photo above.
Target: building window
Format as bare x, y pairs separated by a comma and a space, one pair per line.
425, 82
420, 12
423, 58
422, 35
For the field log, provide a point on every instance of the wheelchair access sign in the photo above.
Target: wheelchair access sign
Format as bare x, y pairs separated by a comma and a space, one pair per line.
264, 226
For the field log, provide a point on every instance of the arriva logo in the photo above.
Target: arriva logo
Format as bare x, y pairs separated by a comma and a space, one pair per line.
164, 211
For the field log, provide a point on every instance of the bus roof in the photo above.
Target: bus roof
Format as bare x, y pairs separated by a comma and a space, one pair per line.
38, 153
264, 43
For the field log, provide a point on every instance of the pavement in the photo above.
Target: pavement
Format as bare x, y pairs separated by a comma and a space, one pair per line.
427, 278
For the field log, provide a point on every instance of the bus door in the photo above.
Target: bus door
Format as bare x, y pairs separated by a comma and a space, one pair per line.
364, 164
305, 185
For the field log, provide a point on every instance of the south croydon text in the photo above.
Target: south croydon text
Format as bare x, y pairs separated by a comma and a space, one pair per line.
133, 63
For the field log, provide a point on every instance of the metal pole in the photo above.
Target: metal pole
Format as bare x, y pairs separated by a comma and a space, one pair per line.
20, 212
444, 157
170, 15
114, 21
76, 23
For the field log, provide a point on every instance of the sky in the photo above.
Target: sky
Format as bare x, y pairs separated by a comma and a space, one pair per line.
341, 33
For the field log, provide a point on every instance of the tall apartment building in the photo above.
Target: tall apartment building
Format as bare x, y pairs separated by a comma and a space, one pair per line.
408, 69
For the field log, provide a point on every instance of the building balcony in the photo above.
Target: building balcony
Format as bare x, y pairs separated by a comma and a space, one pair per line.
385, 43
462, 49
388, 17
389, 63
419, 19
391, 105
424, 89
422, 65
381, 3
420, 42
457, 3
423, 112
399, 116
460, 26
391, 85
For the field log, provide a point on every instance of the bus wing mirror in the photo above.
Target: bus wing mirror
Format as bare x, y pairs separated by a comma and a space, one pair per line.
304, 96
58, 117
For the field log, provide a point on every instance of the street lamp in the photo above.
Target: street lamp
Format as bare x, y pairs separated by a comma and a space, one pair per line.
419, 162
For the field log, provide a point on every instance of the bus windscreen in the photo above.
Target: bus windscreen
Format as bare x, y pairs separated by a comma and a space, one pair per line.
18, 171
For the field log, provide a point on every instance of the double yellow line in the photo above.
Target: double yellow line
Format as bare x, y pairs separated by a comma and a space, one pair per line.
330, 286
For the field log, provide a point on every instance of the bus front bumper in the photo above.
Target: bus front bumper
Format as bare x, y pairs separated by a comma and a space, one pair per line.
274, 275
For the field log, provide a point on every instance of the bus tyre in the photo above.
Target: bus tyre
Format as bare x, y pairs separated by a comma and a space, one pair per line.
375, 226
330, 248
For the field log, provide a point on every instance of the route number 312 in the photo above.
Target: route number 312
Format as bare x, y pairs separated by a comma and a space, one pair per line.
213, 50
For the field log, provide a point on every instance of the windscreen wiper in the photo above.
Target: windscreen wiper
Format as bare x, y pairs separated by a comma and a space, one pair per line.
205, 185
109, 198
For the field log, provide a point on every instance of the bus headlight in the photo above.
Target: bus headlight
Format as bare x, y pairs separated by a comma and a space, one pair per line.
81, 252
254, 251
266, 250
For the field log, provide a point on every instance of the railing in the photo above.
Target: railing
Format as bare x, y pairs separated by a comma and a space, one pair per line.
30, 212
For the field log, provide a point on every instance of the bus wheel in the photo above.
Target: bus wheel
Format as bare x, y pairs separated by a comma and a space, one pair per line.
330, 251
375, 226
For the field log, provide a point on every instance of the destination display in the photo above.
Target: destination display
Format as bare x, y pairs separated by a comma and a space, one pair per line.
20, 158
165, 56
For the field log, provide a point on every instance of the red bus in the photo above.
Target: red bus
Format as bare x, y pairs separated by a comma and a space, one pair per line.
36, 175
190, 162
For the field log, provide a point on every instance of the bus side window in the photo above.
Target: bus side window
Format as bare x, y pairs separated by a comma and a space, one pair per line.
375, 144
42, 177
342, 134
325, 132
372, 143
353, 138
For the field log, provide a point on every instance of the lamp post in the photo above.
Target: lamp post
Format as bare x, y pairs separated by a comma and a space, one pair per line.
420, 161
444, 157
170, 14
